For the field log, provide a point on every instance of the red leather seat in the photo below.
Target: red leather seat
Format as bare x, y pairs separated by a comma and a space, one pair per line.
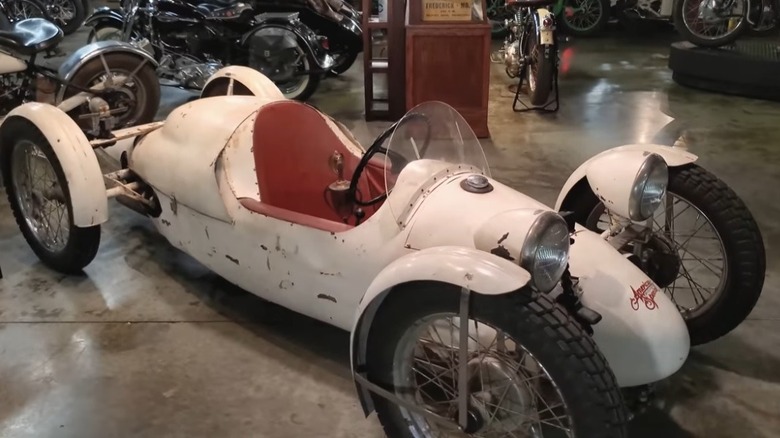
292, 146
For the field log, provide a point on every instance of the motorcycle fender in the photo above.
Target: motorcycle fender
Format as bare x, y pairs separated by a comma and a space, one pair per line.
75, 154
78, 59
105, 15
479, 271
674, 157
642, 334
546, 33
253, 80
305, 35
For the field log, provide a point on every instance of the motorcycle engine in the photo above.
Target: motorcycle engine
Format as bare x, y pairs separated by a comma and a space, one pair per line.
512, 58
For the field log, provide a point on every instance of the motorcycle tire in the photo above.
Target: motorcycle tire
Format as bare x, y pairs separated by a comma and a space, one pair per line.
82, 243
73, 24
124, 62
539, 78
739, 235
682, 28
569, 356
344, 62
595, 28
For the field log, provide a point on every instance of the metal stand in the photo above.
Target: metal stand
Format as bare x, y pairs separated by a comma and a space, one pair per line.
552, 104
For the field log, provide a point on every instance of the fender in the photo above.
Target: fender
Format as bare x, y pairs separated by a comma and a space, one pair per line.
641, 334
105, 15
291, 22
674, 157
78, 160
257, 83
545, 25
479, 271
82, 56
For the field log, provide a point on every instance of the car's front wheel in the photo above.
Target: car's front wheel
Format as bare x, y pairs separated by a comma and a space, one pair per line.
531, 370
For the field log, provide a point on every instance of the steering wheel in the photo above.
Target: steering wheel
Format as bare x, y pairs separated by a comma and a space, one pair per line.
397, 160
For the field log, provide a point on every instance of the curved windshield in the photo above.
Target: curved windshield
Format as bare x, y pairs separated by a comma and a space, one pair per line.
430, 142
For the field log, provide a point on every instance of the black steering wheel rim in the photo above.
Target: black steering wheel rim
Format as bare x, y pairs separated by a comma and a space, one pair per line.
375, 148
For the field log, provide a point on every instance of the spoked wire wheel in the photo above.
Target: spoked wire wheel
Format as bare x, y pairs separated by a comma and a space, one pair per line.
711, 22
40, 199
585, 17
702, 247
22, 9
526, 369
511, 394
688, 255
39, 196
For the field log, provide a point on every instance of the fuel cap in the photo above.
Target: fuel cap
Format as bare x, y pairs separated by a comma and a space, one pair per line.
476, 184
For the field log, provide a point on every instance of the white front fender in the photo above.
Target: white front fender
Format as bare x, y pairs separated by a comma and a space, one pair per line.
641, 333
257, 83
673, 156
75, 154
479, 271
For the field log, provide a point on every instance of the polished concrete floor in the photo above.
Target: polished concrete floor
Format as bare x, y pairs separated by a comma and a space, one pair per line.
149, 344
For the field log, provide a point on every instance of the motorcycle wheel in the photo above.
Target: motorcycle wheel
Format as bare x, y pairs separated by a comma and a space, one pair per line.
42, 204
344, 62
140, 97
22, 9
522, 338
540, 69
588, 17
69, 15
298, 89
684, 16
735, 236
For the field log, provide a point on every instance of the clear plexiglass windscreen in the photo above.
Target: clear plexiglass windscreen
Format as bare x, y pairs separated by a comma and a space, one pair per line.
431, 140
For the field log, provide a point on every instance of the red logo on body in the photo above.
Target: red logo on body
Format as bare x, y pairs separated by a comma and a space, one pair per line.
645, 294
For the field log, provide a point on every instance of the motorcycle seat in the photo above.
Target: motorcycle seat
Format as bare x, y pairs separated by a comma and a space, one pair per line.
30, 36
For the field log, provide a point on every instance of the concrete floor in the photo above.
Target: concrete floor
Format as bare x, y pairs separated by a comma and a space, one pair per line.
149, 344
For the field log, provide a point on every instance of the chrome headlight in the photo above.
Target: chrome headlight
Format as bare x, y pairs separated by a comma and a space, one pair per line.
545, 252
649, 188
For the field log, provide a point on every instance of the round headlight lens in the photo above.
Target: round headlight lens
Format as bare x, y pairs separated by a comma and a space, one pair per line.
649, 188
546, 250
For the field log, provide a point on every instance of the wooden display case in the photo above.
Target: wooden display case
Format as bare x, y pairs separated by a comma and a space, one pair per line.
448, 57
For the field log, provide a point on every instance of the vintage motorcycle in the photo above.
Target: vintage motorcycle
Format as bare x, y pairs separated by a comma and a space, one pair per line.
511, 319
714, 23
336, 20
191, 42
110, 77
576, 17
530, 50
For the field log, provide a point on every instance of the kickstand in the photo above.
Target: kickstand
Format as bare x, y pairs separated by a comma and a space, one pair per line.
552, 104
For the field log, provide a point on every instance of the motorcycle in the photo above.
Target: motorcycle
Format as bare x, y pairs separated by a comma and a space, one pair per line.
336, 20
715, 23
191, 42
513, 318
531, 48
15, 10
576, 17
111, 78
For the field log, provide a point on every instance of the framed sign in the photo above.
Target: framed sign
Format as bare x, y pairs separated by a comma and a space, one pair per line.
446, 10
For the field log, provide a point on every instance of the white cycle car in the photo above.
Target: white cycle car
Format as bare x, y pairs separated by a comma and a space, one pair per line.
473, 309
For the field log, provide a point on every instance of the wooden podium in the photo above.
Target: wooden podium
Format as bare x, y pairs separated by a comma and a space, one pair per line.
448, 57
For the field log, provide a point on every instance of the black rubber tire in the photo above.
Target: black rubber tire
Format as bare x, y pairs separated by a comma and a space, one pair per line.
128, 62
78, 19
544, 70
741, 239
679, 24
314, 78
83, 243
568, 354
601, 23
345, 62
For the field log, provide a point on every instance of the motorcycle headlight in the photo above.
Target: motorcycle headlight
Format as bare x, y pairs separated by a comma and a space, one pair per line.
545, 252
649, 188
